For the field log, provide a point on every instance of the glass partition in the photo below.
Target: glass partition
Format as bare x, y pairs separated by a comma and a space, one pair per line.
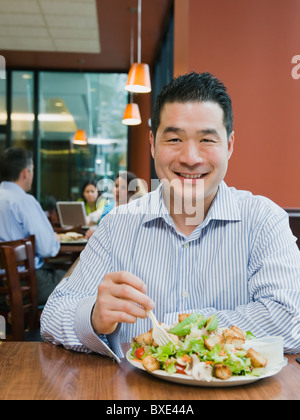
22, 115
3, 114
70, 101
67, 101
2, 143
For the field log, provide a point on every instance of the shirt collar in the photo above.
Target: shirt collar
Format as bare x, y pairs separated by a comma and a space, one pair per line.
7, 185
224, 206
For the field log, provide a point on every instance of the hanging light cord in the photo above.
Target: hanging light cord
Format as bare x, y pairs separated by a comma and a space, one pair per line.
139, 31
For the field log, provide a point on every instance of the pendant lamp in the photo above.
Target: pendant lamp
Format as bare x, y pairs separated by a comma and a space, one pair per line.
80, 138
132, 115
139, 74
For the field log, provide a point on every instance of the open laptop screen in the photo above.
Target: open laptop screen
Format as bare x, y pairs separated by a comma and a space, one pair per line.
71, 213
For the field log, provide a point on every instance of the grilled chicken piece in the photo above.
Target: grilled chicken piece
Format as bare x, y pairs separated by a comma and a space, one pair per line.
144, 339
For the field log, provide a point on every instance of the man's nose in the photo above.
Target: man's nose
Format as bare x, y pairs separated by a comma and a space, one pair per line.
190, 154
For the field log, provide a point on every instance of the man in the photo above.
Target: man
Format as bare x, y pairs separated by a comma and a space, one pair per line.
21, 215
193, 244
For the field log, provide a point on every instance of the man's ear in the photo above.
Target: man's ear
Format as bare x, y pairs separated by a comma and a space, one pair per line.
23, 174
230, 144
152, 143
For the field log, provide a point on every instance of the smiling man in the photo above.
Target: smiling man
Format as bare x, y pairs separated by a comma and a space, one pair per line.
193, 244
191, 149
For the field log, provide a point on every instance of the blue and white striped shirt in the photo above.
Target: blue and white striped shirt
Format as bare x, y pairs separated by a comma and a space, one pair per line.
241, 262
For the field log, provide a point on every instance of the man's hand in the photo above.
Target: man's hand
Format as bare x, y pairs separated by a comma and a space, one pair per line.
118, 298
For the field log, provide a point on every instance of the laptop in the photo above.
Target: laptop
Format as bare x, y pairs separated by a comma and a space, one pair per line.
71, 213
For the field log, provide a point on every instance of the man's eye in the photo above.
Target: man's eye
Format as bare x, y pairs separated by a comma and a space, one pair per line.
206, 140
173, 140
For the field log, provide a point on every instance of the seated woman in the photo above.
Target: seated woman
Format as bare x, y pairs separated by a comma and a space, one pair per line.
93, 205
127, 187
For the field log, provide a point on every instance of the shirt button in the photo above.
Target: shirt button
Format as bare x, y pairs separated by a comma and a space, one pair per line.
186, 245
185, 294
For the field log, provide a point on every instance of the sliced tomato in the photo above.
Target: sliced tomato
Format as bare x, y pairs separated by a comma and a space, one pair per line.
180, 369
139, 352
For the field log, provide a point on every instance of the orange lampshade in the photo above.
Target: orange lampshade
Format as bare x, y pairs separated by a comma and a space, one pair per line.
132, 115
80, 138
138, 80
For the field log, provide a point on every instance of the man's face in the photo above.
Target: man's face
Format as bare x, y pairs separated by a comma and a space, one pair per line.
191, 149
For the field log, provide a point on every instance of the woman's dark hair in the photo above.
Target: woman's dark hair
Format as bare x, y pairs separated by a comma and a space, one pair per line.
12, 163
194, 87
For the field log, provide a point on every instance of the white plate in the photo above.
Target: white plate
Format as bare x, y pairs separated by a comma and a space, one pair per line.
188, 380
74, 242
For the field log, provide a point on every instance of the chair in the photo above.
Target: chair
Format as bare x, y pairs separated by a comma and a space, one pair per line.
19, 285
294, 219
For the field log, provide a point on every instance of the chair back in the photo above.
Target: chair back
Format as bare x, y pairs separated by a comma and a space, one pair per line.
294, 218
19, 284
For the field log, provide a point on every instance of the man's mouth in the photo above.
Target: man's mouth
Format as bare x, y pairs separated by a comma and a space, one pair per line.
191, 176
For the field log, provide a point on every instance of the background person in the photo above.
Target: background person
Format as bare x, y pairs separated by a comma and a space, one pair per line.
93, 204
21, 215
127, 187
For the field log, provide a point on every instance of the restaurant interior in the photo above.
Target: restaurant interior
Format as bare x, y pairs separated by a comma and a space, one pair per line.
65, 71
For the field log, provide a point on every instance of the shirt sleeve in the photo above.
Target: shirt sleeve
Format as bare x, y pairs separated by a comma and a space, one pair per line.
66, 319
35, 222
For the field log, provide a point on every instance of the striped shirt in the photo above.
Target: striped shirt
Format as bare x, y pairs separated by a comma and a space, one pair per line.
241, 262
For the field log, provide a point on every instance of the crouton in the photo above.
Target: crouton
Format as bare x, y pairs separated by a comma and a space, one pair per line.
234, 338
222, 371
150, 363
144, 339
257, 360
239, 333
181, 317
212, 341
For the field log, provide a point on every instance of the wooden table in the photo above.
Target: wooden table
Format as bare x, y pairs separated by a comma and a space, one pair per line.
41, 371
67, 255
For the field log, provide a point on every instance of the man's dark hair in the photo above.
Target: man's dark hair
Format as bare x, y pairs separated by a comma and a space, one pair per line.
194, 87
12, 163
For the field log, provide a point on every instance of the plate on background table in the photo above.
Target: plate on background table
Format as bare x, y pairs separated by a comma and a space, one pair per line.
189, 380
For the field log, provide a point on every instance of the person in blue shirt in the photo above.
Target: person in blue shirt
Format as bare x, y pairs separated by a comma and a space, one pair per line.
21, 215
126, 187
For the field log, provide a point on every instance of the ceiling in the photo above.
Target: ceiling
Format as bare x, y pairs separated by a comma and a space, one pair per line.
79, 34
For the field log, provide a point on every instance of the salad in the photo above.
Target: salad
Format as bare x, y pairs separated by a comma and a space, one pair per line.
201, 349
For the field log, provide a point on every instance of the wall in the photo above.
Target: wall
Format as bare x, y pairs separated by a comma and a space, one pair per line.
249, 45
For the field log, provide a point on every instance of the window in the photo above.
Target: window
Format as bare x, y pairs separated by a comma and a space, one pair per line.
22, 115
3, 115
48, 108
